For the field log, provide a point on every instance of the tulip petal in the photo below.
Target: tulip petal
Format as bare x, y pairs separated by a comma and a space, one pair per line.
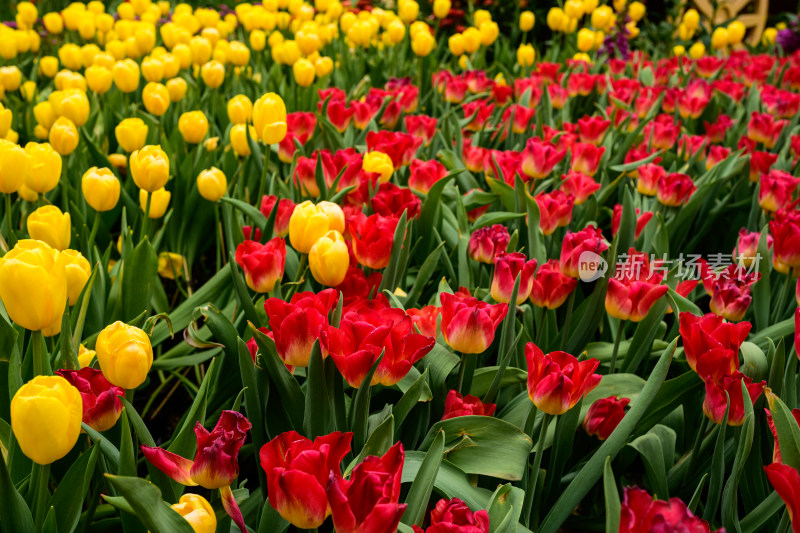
176, 467
232, 508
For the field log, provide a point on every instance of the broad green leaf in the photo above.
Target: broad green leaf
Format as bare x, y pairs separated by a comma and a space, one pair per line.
145, 499
611, 497
139, 274
424, 480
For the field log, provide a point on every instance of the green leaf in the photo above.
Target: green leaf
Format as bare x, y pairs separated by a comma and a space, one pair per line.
755, 520
258, 218
389, 280
292, 399
359, 413
139, 275
242, 294
430, 208
504, 509
730, 502
145, 499
185, 441
657, 449
717, 466
422, 486
591, 472
14, 513
496, 217
316, 404
787, 429
761, 289
109, 450
378, 443
71, 491
506, 344
252, 398
409, 399
483, 445
613, 507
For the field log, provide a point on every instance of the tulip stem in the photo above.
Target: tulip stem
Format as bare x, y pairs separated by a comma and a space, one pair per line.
219, 233
146, 221
533, 479
11, 238
263, 185
567, 319
39, 365
466, 372
613, 364
41, 476
93, 233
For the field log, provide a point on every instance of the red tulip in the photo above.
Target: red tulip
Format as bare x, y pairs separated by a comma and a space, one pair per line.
391, 201
373, 238
298, 472
579, 185
479, 113
340, 115
301, 127
731, 298
505, 165
764, 129
662, 133
422, 127
716, 154
468, 324
586, 158
776, 190
707, 66
747, 247
506, 269
424, 174
638, 153
604, 416
716, 131
675, 189
557, 381
400, 147
520, 117
539, 158
297, 324
776, 449
693, 100
550, 287
711, 343
263, 264
715, 401
454, 516
555, 210
425, 319
760, 163
473, 156
357, 286
285, 209
593, 129
580, 83
368, 501
649, 176
575, 244
785, 231
361, 337
642, 220
785, 480
487, 242
101, 405
634, 288
456, 405
642, 513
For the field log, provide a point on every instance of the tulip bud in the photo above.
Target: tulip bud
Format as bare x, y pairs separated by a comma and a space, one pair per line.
212, 184
526, 55
441, 8
48, 224
329, 259
33, 286
131, 134
74, 105
240, 109
304, 72
719, 38
604, 416
526, 20
126, 75
159, 201
177, 89
263, 264
101, 189
64, 136
556, 381
213, 74
150, 168
77, 271
423, 43
239, 142
14, 167
193, 126
269, 118
309, 222
197, 511
124, 354
98, 79
506, 269
379, 163
156, 98
46, 416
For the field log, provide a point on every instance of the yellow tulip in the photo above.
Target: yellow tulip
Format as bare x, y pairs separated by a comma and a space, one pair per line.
691, 19
48, 65
14, 167
480, 16
33, 286
170, 265
85, 357
46, 416
329, 259
408, 10
380, 163
177, 89
44, 167
53, 23
489, 32
156, 98
585, 39
769, 36
126, 75
239, 142
64, 136
99, 79
131, 134
198, 512
526, 55
736, 32
636, 11
49, 225
212, 184
324, 66
456, 44
152, 69
258, 40
269, 118
240, 109
28, 90
719, 38
101, 189
423, 43
159, 201
11, 78
304, 72
213, 73
125, 355
150, 168
441, 8
70, 56
678, 50
526, 20
238, 54
77, 271
74, 105
309, 222
193, 126
697, 50
472, 40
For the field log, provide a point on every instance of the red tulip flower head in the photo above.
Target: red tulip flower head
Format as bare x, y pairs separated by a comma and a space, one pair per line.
675, 189
604, 416
586, 158
285, 209
557, 381
785, 480
592, 129
715, 401
101, 405
648, 177
539, 158
641, 512
487, 242
785, 231
263, 264
550, 287
575, 244
555, 210
579, 185
764, 129
468, 324
456, 405
634, 288
776, 190
454, 516
710, 344
506, 269
373, 238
